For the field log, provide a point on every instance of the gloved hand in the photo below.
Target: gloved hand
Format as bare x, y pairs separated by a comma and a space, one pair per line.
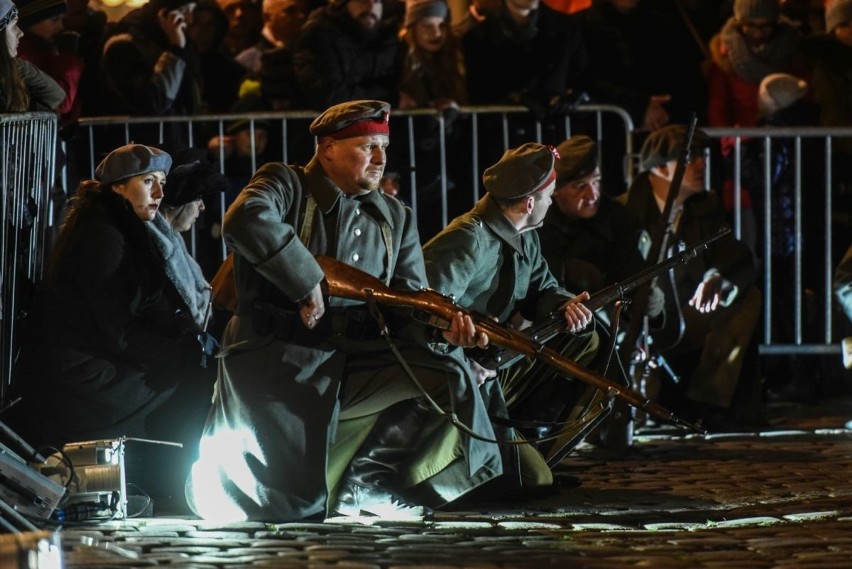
656, 300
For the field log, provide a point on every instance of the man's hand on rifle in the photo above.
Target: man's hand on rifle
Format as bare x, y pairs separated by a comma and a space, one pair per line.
710, 292
577, 316
312, 307
463, 333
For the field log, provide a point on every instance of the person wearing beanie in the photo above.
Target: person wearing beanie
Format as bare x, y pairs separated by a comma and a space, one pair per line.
489, 260
713, 295
347, 51
44, 44
307, 379
588, 239
23, 86
779, 91
110, 350
432, 74
150, 68
752, 44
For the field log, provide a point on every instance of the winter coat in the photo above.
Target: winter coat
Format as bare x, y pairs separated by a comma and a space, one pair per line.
107, 343
142, 74
65, 68
589, 254
831, 83
336, 60
507, 64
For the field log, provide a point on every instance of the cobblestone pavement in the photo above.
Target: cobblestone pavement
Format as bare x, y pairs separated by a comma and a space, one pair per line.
780, 497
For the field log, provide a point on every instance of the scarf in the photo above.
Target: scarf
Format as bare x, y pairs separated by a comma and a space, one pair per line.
181, 269
775, 57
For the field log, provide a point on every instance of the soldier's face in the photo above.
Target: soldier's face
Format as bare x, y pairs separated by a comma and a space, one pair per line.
541, 203
356, 164
581, 198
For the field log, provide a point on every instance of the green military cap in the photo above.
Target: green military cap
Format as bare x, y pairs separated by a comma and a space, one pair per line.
521, 171
578, 157
353, 118
666, 144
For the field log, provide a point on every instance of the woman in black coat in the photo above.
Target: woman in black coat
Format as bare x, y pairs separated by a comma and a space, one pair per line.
112, 350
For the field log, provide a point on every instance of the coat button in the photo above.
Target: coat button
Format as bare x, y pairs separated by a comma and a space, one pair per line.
357, 232
357, 212
355, 256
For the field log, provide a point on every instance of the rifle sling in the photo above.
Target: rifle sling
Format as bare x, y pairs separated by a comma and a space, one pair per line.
449, 415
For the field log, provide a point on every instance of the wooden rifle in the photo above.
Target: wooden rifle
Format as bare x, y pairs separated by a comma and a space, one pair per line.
494, 357
348, 282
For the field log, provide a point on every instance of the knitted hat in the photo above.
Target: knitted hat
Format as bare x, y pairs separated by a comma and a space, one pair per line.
416, 10
31, 12
131, 160
666, 144
779, 91
836, 13
757, 10
578, 157
521, 171
8, 12
354, 118
193, 176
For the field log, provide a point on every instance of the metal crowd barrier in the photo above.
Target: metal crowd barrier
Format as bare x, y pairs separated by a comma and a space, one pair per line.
814, 182
28, 146
499, 127
462, 146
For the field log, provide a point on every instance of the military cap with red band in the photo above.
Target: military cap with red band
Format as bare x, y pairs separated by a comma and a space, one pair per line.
353, 118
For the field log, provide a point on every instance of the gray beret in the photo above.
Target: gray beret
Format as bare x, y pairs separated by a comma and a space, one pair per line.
666, 144
757, 10
131, 160
521, 171
578, 157
353, 118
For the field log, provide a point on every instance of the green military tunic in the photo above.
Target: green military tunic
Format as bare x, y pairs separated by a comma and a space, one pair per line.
489, 267
276, 439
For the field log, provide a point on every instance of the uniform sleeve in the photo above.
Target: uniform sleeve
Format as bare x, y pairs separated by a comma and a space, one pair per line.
256, 228
452, 261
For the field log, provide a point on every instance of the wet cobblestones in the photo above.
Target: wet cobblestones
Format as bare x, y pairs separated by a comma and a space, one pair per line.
777, 498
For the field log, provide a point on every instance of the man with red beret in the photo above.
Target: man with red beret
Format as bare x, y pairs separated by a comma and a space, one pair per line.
309, 397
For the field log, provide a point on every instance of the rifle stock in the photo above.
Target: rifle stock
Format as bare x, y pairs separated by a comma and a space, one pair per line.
345, 281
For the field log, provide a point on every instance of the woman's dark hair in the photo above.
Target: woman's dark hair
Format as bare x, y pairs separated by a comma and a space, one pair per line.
13, 92
78, 206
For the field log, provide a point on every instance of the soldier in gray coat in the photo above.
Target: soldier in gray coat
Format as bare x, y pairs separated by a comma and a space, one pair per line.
310, 401
490, 260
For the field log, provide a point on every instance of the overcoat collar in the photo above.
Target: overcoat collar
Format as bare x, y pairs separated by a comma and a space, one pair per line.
327, 194
497, 221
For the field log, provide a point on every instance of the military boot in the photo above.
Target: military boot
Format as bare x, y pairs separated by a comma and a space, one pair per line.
367, 485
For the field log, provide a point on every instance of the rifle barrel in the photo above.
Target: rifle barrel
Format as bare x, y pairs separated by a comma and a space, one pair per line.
345, 281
